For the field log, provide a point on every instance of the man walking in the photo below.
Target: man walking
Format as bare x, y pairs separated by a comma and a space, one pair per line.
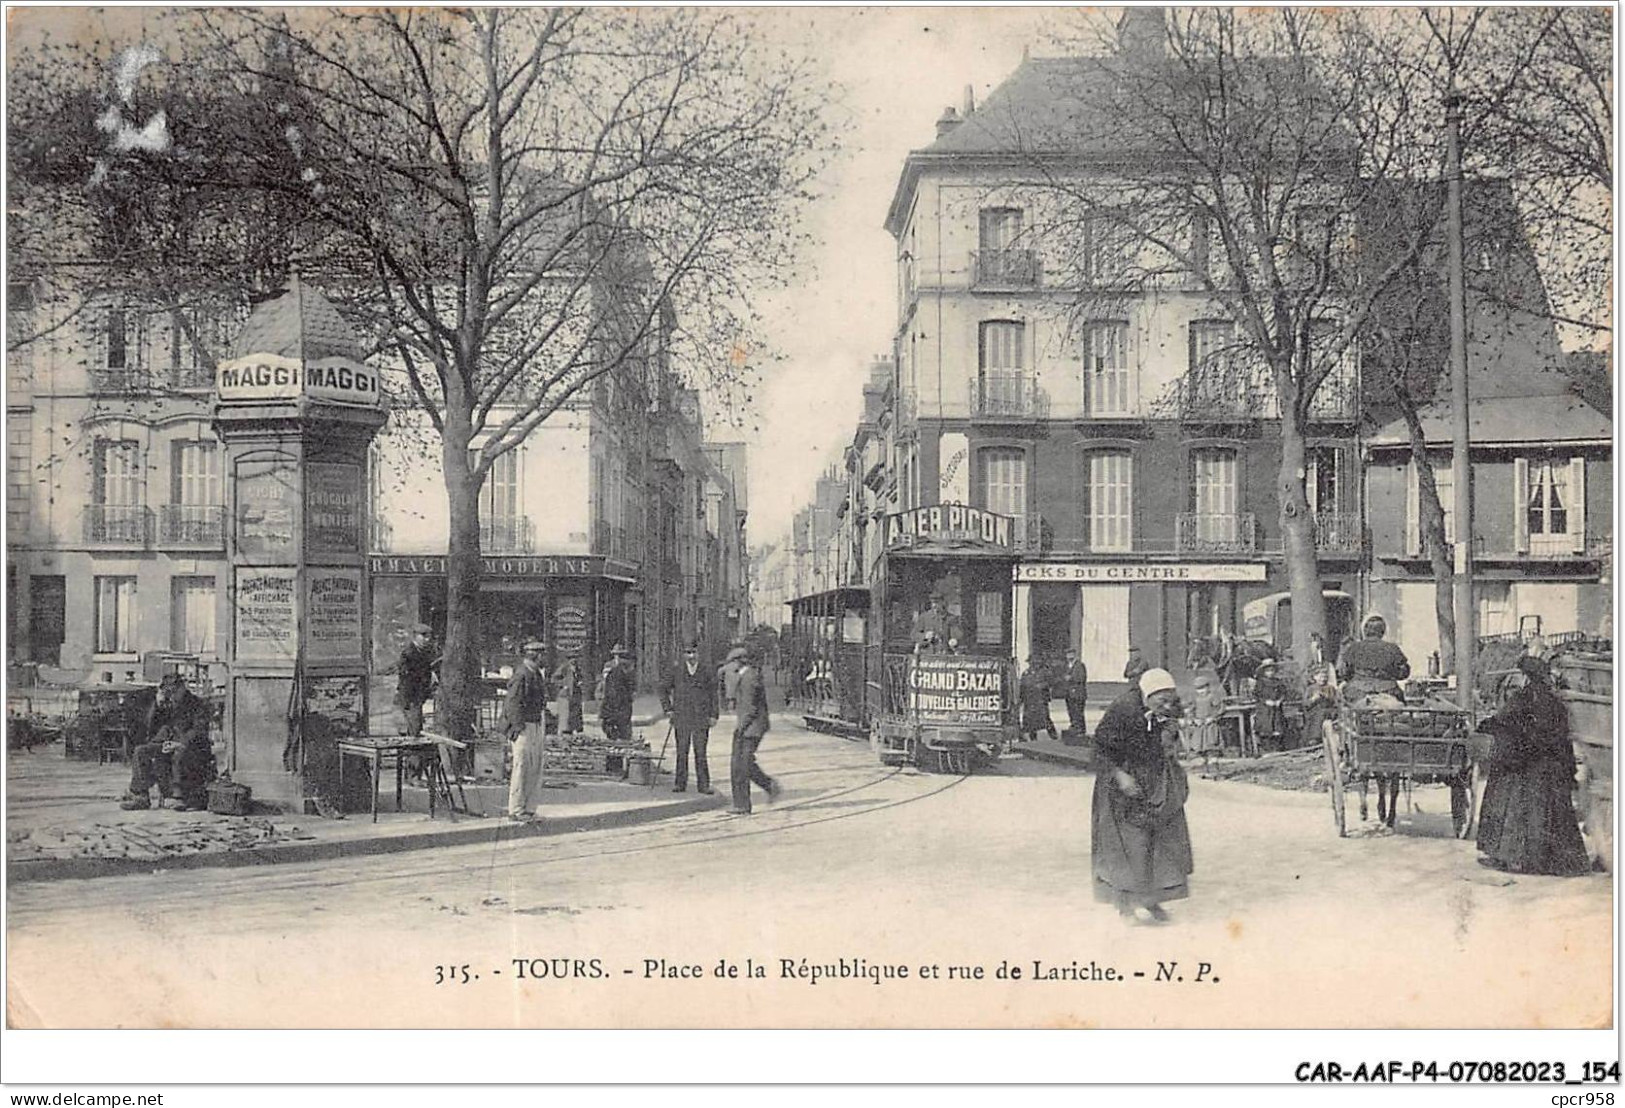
1076, 691
176, 756
620, 685
689, 696
524, 713
752, 725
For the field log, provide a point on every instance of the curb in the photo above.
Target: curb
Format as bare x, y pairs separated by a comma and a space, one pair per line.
493, 831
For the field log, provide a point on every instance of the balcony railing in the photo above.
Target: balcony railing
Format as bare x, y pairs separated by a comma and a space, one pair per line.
1222, 393
1008, 395
507, 535
1207, 533
200, 525
119, 379
1004, 268
118, 525
1339, 532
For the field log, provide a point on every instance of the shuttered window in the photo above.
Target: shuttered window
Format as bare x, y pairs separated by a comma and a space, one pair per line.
1107, 379
196, 481
1111, 500
192, 608
1004, 481
1213, 494
119, 477
115, 615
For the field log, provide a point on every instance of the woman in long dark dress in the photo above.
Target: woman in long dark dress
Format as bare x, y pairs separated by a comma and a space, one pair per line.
1527, 822
1139, 843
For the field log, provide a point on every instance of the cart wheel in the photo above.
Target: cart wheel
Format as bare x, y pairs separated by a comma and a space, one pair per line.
1462, 794
1334, 770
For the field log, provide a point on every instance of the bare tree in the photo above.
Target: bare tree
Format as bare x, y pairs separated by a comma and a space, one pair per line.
514, 204
1236, 156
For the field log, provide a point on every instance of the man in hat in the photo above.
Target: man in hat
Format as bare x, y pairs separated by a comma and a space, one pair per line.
620, 685
689, 696
414, 678
1140, 846
524, 713
1136, 664
728, 678
1076, 691
567, 681
177, 756
1033, 693
748, 733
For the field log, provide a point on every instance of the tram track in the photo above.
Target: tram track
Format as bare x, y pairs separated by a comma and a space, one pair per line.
506, 855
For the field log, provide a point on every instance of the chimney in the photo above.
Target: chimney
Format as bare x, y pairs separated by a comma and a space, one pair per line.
948, 121
970, 100
1141, 33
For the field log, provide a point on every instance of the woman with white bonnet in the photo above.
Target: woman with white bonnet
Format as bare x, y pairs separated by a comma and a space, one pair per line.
1140, 846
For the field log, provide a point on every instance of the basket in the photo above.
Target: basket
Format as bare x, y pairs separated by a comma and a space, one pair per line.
227, 798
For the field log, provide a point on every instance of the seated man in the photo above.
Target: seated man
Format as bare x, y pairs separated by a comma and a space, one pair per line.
176, 756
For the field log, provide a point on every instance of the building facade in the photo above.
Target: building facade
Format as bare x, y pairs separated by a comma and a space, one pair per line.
1140, 477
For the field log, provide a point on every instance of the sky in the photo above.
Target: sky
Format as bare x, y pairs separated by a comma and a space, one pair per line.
899, 67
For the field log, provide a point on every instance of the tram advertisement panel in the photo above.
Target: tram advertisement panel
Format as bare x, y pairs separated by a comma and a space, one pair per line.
957, 689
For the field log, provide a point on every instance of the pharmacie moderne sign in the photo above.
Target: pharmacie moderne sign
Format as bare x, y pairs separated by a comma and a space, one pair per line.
950, 523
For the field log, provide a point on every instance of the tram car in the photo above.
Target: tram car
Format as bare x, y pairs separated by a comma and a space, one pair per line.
922, 662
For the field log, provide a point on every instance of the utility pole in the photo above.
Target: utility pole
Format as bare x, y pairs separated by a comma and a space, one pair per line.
1460, 462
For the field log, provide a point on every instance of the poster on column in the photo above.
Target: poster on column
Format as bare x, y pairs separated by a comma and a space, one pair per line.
332, 508
267, 614
267, 509
333, 627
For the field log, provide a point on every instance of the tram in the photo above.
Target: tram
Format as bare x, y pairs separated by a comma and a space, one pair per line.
922, 662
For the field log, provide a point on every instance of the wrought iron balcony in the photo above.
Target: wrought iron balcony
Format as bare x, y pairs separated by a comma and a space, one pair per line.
1339, 532
1004, 268
1210, 533
507, 535
118, 525
199, 525
119, 380
1007, 396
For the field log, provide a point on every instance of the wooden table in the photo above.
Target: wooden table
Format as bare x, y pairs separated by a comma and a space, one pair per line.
376, 748
1239, 715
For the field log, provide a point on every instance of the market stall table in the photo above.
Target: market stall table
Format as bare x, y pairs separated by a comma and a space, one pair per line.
377, 748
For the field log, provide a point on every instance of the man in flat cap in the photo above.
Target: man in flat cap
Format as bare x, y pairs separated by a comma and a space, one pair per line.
524, 713
689, 696
414, 677
620, 685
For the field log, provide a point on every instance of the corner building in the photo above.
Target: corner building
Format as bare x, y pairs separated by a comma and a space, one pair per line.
1144, 504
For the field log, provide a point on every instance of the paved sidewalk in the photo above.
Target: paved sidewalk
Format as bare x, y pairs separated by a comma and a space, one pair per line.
63, 820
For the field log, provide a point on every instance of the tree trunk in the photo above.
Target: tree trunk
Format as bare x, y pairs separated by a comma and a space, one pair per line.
456, 702
1298, 544
1431, 527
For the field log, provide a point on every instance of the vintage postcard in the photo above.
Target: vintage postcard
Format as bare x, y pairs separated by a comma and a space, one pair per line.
815, 518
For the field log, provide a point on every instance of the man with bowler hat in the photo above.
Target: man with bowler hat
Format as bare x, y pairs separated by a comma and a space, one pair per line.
524, 712
689, 696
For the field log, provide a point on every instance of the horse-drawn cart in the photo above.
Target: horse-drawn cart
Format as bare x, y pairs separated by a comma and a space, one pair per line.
1428, 744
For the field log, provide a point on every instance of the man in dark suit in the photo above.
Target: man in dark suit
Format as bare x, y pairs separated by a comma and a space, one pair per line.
414, 678
177, 756
1076, 691
753, 724
689, 696
620, 686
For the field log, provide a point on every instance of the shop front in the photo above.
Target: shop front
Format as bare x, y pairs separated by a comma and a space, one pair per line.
578, 604
1102, 608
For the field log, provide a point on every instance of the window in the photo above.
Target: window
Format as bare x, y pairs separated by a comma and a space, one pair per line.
499, 496
192, 607
1210, 339
1000, 228
1213, 495
1001, 380
119, 479
1110, 504
1323, 479
989, 618
1548, 501
1444, 479
115, 615
1004, 481
1107, 380
196, 479
116, 335
19, 472
1105, 249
